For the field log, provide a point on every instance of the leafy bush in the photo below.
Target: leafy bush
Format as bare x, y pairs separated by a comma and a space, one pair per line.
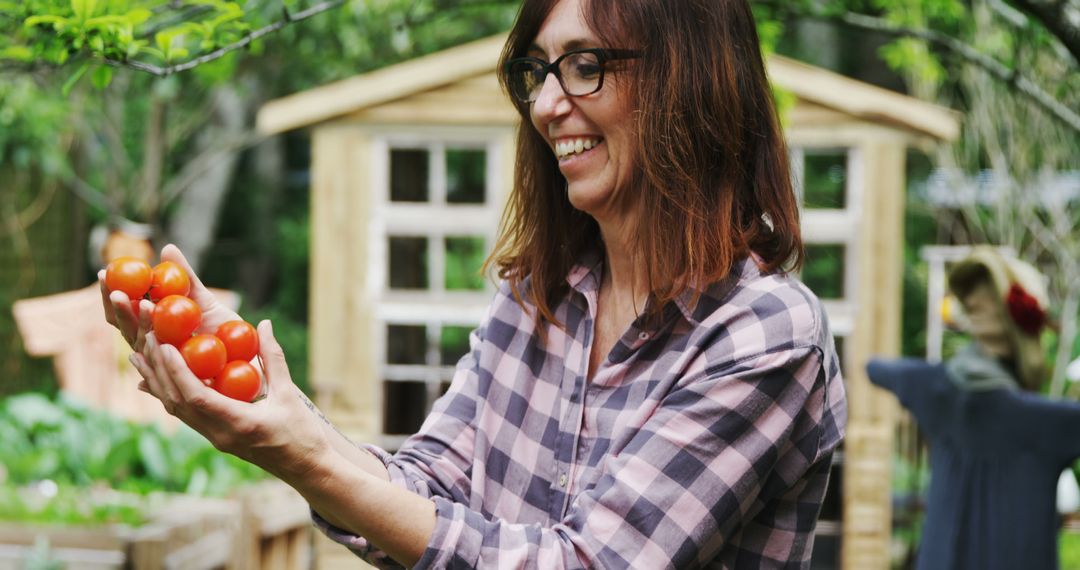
64, 441
65, 463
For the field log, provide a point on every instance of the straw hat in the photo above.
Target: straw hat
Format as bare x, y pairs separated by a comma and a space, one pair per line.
1021, 290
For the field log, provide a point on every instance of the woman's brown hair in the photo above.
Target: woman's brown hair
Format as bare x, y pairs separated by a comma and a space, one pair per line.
712, 182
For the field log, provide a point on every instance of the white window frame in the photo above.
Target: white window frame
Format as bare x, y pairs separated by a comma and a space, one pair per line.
435, 307
835, 226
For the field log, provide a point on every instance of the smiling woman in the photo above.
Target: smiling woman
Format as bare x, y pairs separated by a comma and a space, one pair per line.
649, 388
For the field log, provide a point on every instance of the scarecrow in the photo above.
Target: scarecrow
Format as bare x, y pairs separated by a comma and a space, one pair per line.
996, 445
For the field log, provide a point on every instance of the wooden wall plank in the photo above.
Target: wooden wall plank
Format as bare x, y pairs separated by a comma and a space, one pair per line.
869, 444
341, 363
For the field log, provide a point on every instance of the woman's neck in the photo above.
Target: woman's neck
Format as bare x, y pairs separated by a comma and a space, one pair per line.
624, 280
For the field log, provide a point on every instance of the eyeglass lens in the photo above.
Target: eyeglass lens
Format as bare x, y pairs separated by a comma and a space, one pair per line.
579, 74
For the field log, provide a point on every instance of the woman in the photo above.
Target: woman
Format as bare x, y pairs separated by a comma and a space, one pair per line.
649, 389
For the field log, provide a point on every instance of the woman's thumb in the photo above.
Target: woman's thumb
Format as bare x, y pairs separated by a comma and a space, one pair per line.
271, 355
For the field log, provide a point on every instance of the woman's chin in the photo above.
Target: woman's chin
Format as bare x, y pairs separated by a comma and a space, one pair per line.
589, 200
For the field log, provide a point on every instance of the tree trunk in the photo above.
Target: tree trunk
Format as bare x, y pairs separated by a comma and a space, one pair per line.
194, 224
268, 168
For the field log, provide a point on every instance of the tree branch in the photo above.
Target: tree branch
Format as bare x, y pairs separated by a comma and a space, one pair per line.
204, 162
966, 52
1061, 17
239, 44
973, 56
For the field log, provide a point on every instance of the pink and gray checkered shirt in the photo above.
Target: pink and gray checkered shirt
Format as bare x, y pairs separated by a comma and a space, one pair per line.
704, 440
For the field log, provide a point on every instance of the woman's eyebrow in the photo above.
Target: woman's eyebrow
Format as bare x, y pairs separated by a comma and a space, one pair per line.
571, 45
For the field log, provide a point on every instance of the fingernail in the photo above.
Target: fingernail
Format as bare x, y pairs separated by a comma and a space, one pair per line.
134, 361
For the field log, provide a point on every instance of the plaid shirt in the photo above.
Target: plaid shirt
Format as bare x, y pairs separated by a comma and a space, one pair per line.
704, 441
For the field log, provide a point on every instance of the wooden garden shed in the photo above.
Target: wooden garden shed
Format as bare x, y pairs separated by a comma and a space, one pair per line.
409, 171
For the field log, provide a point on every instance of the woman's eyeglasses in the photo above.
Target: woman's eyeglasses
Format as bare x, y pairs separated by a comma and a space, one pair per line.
580, 72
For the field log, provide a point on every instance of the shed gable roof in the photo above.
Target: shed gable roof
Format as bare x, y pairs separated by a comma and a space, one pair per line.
807, 82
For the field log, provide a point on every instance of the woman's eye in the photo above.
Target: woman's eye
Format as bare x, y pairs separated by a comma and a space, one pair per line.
587, 70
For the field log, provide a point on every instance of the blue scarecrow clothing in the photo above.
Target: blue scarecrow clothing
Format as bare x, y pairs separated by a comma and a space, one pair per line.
995, 454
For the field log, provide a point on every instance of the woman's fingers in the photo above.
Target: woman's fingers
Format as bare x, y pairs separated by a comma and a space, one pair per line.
110, 313
272, 359
146, 311
187, 384
145, 370
124, 316
160, 382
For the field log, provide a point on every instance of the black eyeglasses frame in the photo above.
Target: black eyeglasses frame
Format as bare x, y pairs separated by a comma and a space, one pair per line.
603, 55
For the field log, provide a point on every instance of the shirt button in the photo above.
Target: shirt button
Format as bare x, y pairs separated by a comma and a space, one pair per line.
562, 480
643, 335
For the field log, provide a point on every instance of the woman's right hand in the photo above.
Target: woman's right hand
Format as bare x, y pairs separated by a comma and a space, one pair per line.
120, 312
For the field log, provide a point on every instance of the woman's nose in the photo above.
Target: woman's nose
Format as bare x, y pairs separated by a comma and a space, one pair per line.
552, 101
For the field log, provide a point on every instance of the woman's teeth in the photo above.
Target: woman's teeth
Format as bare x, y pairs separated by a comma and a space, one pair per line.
574, 146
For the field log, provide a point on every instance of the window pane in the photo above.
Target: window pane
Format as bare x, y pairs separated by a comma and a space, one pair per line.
408, 175
823, 272
825, 179
464, 258
453, 344
832, 509
826, 554
466, 171
406, 344
408, 262
404, 406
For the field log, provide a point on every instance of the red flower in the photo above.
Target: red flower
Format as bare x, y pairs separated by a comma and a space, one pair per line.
1025, 310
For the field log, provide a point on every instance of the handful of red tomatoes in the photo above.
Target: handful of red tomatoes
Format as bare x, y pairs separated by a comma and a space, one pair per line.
222, 360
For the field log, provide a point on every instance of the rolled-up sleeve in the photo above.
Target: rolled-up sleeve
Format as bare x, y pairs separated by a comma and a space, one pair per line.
436, 462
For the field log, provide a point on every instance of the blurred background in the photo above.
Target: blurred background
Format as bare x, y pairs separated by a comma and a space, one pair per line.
339, 167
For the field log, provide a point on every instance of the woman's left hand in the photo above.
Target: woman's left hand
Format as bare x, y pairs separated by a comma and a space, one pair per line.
278, 433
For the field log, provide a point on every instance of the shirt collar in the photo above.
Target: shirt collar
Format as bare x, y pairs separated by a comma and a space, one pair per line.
711, 297
586, 274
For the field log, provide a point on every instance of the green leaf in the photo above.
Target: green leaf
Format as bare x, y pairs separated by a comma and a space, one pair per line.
138, 16
117, 464
153, 456
31, 412
59, 23
152, 51
18, 53
83, 9
199, 482
102, 76
75, 77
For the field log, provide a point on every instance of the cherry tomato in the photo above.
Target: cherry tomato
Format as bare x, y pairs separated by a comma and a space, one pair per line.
168, 279
239, 381
205, 355
130, 275
175, 318
241, 340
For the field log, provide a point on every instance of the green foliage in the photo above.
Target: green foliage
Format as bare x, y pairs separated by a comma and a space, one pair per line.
59, 31
64, 441
32, 121
1069, 551
70, 506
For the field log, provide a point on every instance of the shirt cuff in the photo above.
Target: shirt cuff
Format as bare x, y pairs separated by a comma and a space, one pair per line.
446, 550
358, 544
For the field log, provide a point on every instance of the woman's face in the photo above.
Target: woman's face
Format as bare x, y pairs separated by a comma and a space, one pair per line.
601, 121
